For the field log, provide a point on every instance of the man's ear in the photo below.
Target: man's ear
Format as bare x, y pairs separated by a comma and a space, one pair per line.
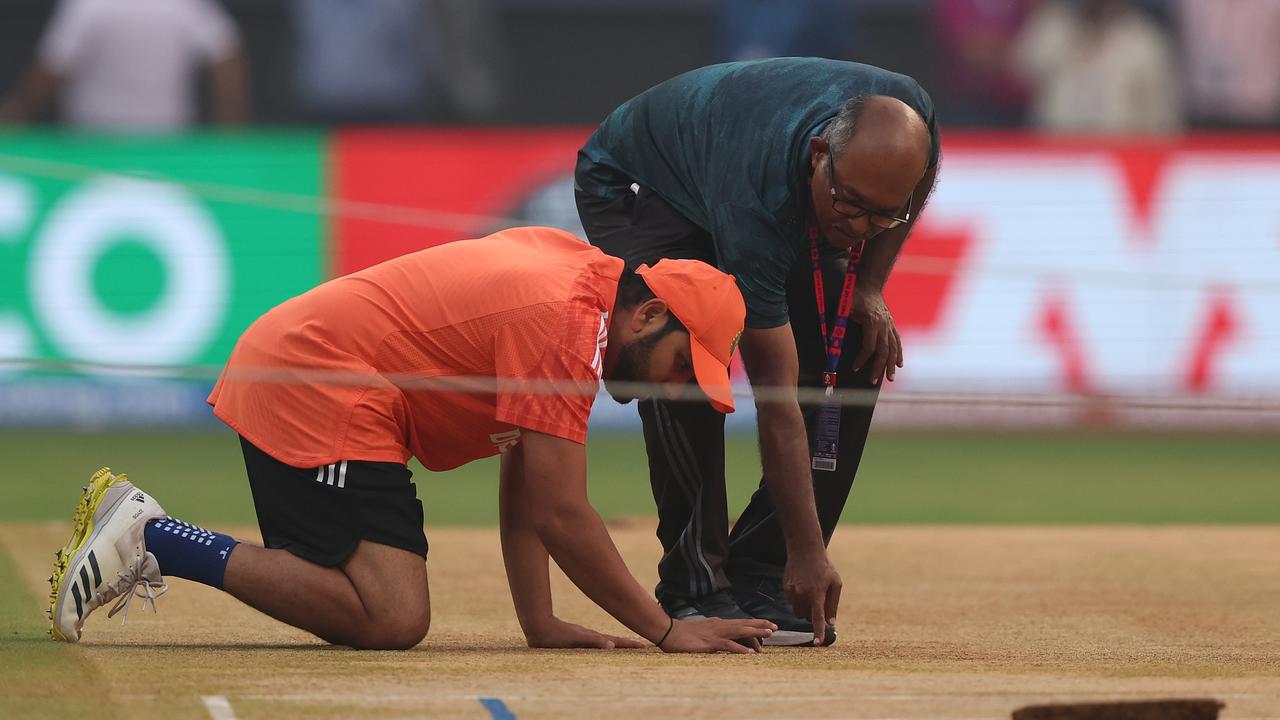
816, 146
650, 312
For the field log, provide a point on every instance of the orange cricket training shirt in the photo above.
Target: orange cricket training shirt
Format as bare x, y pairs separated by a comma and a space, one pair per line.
329, 375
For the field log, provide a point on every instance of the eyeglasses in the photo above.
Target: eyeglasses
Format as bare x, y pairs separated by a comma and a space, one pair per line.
854, 211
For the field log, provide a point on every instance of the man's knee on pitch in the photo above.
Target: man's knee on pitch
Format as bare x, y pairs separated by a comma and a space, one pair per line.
392, 585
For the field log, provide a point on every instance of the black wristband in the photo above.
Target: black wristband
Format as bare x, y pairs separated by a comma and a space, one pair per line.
665, 634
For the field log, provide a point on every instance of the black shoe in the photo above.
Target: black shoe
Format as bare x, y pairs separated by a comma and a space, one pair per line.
717, 604
764, 598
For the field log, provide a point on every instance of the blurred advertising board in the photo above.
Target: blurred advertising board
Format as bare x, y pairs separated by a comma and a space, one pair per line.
117, 253
1110, 271
1117, 271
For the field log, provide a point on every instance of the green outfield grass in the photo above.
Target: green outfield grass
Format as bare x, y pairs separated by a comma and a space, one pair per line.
906, 477
34, 670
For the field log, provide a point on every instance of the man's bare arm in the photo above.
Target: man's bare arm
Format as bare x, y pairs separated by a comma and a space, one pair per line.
522, 552
526, 562
811, 580
555, 471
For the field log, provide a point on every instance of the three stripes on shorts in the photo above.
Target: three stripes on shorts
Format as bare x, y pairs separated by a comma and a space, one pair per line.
332, 474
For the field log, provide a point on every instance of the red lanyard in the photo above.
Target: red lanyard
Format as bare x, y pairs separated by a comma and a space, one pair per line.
834, 345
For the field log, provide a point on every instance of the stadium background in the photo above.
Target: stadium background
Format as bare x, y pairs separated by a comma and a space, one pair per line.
1059, 281
1091, 319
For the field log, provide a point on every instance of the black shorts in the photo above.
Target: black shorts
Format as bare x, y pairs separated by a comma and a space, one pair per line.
321, 514
642, 228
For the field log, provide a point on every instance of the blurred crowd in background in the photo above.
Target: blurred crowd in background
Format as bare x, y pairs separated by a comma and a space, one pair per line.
1065, 66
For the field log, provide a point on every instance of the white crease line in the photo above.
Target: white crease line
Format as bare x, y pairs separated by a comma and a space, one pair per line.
1035, 696
219, 707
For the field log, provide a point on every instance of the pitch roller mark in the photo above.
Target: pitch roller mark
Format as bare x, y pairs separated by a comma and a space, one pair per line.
498, 710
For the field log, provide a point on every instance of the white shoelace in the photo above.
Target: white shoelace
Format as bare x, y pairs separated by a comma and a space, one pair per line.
132, 584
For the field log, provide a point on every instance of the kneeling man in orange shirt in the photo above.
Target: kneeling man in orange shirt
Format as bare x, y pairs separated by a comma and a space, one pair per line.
450, 354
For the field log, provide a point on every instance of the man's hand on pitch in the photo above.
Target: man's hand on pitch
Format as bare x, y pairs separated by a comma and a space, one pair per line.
557, 633
881, 345
716, 635
813, 587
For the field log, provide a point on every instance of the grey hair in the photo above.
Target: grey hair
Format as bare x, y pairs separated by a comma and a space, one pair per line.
842, 127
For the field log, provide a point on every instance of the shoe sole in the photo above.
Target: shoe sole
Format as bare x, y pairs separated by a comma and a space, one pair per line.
788, 638
82, 532
793, 638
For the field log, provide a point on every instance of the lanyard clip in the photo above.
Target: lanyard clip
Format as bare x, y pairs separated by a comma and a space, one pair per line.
829, 380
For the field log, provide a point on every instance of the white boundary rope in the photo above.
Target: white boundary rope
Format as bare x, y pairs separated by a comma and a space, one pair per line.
1260, 405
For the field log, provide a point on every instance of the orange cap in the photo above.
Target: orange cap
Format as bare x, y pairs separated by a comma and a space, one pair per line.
709, 304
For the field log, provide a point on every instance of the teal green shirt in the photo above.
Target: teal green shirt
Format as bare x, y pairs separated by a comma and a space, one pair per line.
728, 146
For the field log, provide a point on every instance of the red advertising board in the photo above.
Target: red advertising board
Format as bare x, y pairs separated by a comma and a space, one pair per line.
403, 190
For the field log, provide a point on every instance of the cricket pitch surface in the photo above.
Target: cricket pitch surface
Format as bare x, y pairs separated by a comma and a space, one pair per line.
938, 622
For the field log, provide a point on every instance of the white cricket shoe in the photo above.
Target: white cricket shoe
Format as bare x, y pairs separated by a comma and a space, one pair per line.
106, 557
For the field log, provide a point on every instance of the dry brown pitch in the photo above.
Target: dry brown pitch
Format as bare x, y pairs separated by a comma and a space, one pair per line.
936, 622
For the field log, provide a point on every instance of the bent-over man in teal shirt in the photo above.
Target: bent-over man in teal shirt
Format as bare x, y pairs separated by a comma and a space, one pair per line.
802, 177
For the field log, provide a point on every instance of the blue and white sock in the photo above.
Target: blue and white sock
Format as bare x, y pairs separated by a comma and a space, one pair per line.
188, 551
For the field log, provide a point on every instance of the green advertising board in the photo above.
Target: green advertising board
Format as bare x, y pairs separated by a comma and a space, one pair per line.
155, 251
